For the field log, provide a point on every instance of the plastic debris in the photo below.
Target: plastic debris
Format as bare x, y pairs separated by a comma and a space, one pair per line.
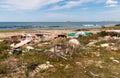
29, 48
17, 51
71, 34
105, 45
12, 45
116, 61
118, 31
95, 75
74, 42
22, 43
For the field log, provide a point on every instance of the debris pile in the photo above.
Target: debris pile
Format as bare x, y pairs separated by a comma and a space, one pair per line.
62, 52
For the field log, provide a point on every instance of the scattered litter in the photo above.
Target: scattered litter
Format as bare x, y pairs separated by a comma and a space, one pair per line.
12, 45
29, 48
80, 33
22, 43
105, 45
17, 51
95, 75
62, 35
118, 31
116, 61
10, 53
72, 34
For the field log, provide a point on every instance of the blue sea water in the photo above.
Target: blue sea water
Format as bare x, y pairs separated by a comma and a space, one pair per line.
52, 25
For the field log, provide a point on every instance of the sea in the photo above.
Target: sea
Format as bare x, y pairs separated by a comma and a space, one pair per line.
52, 25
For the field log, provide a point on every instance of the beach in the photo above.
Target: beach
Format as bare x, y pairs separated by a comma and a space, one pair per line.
59, 39
9, 33
47, 53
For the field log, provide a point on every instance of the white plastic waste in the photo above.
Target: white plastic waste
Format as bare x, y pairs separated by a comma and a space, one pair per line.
74, 42
79, 33
12, 45
29, 48
105, 45
22, 43
118, 31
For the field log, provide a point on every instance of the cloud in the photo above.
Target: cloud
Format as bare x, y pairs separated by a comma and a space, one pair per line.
111, 3
38, 4
26, 4
71, 4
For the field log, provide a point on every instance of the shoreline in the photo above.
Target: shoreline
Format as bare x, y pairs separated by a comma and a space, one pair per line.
9, 33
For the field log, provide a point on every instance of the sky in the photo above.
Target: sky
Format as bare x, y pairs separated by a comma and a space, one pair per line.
59, 10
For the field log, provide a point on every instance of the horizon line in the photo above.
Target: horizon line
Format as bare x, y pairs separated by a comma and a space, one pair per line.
59, 21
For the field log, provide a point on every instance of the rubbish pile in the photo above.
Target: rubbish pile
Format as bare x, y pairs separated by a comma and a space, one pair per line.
110, 42
23, 41
64, 50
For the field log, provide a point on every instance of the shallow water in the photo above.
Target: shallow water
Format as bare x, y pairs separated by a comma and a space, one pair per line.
52, 25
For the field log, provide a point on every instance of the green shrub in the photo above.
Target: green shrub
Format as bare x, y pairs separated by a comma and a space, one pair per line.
3, 47
103, 33
3, 53
86, 39
117, 25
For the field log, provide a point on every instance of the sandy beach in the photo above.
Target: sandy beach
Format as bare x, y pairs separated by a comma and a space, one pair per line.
59, 38
9, 33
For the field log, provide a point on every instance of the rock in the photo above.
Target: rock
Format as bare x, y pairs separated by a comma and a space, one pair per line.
52, 49
91, 43
10, 53
79, 63
67, 66
112, 58
114, 48
96, 54
98, 64
1, 40
89, 62
61, 65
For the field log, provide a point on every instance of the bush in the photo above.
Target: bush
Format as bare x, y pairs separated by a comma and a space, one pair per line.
3, 47
103, 33
86, 39
117, 25
3, 53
